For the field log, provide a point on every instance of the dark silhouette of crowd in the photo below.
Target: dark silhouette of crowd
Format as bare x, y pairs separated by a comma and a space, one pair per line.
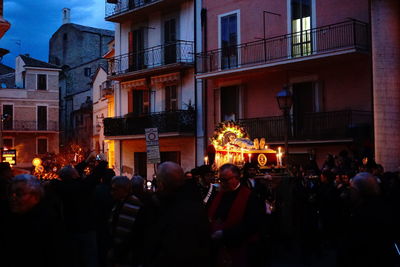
347, 209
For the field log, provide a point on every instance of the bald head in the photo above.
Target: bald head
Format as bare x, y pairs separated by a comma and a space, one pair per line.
366, 184
170, 176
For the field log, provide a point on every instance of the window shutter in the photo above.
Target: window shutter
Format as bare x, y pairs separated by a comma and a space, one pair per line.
130, 101
146, 101
319, 96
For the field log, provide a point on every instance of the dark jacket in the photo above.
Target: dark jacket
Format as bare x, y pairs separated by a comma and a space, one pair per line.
34, 238
176, 231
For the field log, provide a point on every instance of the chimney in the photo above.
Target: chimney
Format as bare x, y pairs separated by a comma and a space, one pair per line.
66, 15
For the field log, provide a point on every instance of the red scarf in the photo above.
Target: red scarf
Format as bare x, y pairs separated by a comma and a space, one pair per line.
236, 211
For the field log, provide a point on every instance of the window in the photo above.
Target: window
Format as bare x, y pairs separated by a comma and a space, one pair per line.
41, 146
174, 156
7, 117
140, 164
170, 37
306, 100
229, 40
88, 72
42, 118
8, 143
138, 102
136, 50
42, 82
301, 25
171, 99
230, 103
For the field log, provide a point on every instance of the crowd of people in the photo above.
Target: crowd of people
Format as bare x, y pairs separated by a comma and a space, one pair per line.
235, 217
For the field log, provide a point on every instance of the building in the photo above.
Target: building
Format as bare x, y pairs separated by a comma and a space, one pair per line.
154, 68
103, 107
29, 107
79, 50
319, 50
385, 32
4, 24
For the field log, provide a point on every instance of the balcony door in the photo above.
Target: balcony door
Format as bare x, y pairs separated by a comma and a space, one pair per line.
301, 27
305, 102
7, 117
229, 39
230, 103
138, 102
140, 164
42, 118
170, 38
171, 98
136, 50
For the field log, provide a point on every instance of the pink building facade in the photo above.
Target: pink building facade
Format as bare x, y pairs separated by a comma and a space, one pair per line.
318, 49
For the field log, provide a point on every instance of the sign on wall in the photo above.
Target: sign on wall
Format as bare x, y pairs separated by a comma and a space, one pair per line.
153, 147
9, 156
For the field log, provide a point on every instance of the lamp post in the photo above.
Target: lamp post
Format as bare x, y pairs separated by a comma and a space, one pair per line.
285, 102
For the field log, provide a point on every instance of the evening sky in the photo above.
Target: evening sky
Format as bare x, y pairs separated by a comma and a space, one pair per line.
33, 22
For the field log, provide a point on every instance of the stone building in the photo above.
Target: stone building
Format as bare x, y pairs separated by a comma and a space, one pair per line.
79, 50
29, 107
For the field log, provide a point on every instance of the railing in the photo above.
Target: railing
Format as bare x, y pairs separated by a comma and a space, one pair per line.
176, 52
312, 126
107, 88
116, 7
169, 121
346, 35
17, 125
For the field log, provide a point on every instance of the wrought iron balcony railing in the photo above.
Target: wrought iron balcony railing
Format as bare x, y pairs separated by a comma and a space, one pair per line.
107, 88
182, 121
158, 56
346, 35
17, 125
116, 7
332, 125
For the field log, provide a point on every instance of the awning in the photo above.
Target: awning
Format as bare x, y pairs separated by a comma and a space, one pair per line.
167, 78
134, 85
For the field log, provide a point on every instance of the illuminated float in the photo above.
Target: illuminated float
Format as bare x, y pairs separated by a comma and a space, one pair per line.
232, 144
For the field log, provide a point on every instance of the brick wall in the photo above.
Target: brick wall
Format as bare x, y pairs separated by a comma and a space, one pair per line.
386, 81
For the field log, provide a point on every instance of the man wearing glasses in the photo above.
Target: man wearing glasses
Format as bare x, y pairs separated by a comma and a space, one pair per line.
236, 217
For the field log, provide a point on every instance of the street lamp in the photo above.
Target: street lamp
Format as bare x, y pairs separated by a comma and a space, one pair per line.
285, 102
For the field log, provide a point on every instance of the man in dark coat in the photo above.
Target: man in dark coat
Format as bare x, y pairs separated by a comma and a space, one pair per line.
30, 232
369, 236
236, 215
175, 227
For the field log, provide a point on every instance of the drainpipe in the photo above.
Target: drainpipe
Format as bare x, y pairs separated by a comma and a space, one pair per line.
195, 80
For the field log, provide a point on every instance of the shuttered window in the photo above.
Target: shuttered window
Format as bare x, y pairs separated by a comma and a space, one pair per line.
42, 82
42, 118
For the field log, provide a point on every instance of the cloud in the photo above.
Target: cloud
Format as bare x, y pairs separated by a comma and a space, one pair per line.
34, 22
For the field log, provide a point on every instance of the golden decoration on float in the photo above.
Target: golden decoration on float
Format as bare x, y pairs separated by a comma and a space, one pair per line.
233, 145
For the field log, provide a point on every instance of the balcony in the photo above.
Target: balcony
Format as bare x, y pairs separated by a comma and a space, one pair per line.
346, 37
175, 55
29, 126
107, 89
178, 121
318, 126
121, 10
